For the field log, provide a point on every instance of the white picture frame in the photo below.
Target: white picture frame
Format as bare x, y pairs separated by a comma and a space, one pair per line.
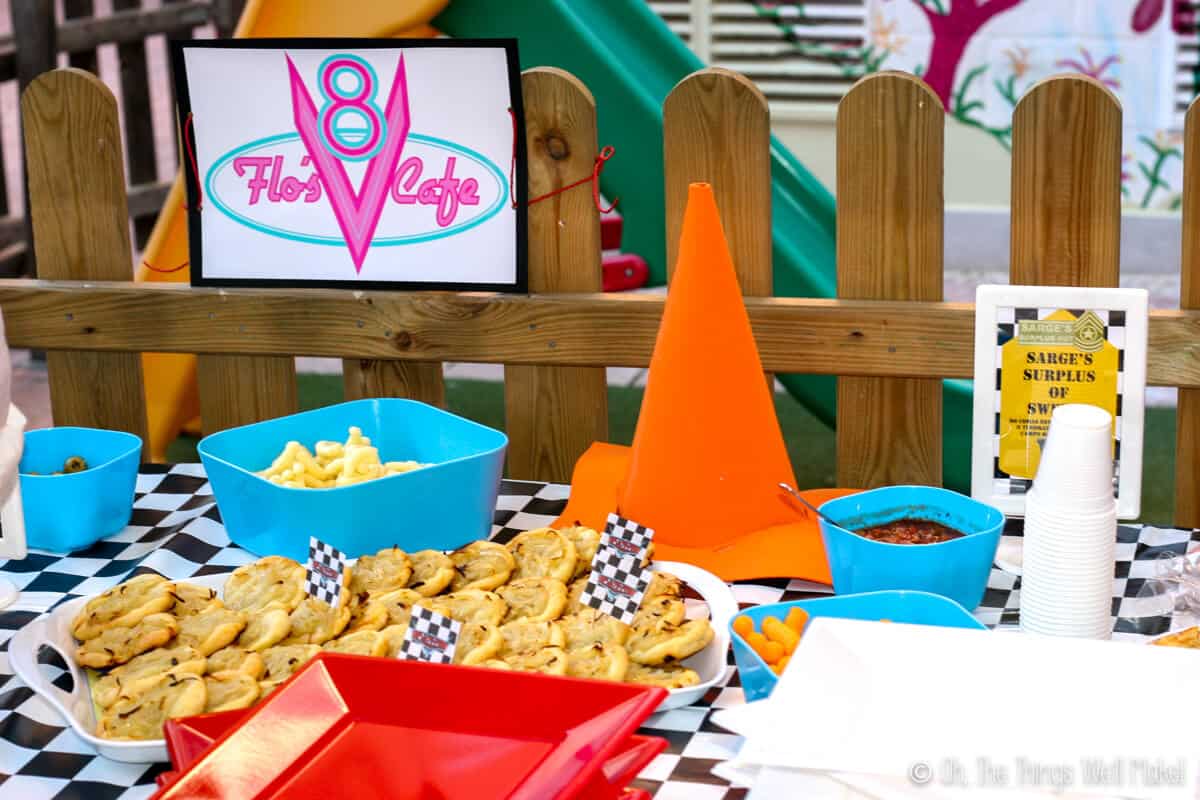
999, 312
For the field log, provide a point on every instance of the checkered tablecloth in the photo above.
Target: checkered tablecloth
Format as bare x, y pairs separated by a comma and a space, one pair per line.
176, 531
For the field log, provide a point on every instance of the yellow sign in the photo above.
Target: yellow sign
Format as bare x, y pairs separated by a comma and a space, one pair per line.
1050, 362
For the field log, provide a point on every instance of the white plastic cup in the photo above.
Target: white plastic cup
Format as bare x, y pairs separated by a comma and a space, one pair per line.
1076, 467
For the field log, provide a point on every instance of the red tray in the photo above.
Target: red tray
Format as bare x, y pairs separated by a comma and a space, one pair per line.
367, 727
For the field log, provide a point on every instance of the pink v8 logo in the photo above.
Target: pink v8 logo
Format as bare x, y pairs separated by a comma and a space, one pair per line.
381, 142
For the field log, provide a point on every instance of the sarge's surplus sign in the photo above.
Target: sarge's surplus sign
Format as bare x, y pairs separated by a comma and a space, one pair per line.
1041, 347
354, 163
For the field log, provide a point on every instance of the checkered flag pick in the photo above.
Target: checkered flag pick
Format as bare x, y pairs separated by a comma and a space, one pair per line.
430, 637
627, 536
324, 570
615, 585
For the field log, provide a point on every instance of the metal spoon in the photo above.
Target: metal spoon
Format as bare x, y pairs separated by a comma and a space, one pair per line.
807, 504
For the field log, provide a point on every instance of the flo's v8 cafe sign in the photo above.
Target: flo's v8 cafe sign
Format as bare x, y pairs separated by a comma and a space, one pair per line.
353, 163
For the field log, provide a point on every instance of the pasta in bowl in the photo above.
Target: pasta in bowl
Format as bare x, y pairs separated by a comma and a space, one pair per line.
445, 503
333, 464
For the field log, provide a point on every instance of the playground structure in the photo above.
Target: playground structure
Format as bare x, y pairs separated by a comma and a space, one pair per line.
890, 351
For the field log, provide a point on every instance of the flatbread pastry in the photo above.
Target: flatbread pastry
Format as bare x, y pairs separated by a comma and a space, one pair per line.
366, 614
142, 717
668, 676
495, 663
471, 605
234, 659
666, 642
534, 599
117, 645
398, 605
269, 580
211, 630
123, 606
659, 610
481, 565
548, 660
228, 691
587, 542
282, 661
574, 595
524, 635
477, 643
432, 572
592, 626
663, 584
192, 599
265, 627
393, 637
543, 553
316, 622
388, 569
359, 643
604, 661
142, 672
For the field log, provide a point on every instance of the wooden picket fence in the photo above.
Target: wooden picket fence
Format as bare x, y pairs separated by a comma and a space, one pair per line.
888, 336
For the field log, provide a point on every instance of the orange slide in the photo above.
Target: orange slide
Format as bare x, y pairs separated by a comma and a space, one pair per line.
172, 403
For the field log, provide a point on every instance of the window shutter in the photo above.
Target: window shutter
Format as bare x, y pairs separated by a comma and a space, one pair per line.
1187, 63
803, 56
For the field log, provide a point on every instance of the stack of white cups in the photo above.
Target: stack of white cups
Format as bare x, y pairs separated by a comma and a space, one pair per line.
1071, 529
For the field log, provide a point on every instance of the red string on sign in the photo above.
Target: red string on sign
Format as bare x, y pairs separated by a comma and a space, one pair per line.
153, 268
190, 149
603, 156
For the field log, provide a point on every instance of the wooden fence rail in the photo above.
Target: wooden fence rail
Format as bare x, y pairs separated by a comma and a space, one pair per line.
888, 336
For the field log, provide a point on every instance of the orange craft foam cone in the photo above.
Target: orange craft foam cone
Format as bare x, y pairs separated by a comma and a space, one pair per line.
708, 454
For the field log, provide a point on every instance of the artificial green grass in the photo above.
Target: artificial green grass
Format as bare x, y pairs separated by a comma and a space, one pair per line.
810, 443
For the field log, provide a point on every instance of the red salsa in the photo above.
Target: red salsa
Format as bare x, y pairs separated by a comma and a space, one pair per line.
910, 531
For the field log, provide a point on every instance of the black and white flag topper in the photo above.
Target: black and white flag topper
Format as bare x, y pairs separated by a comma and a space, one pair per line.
616, 584
627, 537
430, 637
323, 572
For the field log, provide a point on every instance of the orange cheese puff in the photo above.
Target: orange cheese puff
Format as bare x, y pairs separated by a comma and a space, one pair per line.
797, 618
782, 663
772, 652
777, 668
757, 642
743, 626
776, 631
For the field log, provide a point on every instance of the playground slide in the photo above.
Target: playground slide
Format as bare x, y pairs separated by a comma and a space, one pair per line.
630, 60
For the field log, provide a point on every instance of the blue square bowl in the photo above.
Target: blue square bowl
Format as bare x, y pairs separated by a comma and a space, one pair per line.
957, 568
70, 512
442, 506
914, 608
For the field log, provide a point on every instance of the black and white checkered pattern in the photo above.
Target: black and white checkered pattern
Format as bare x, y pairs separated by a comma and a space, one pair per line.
176, 531
323, 572
626, 536
616, 584
1008, 320
430, 636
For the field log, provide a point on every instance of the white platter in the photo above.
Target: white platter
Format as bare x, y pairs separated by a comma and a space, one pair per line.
53, 630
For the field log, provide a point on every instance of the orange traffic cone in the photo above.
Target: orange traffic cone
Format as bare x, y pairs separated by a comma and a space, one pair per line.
708, 455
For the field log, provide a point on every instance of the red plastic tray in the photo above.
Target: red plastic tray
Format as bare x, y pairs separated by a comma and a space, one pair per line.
367, 727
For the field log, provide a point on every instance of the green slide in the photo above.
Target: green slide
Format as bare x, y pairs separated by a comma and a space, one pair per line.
630, 61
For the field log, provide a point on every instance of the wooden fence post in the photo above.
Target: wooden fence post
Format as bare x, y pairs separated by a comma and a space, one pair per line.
553, 414
889, 247
80, 222
1066, 185
33, 25
717, 130
1187, 430
139, 123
